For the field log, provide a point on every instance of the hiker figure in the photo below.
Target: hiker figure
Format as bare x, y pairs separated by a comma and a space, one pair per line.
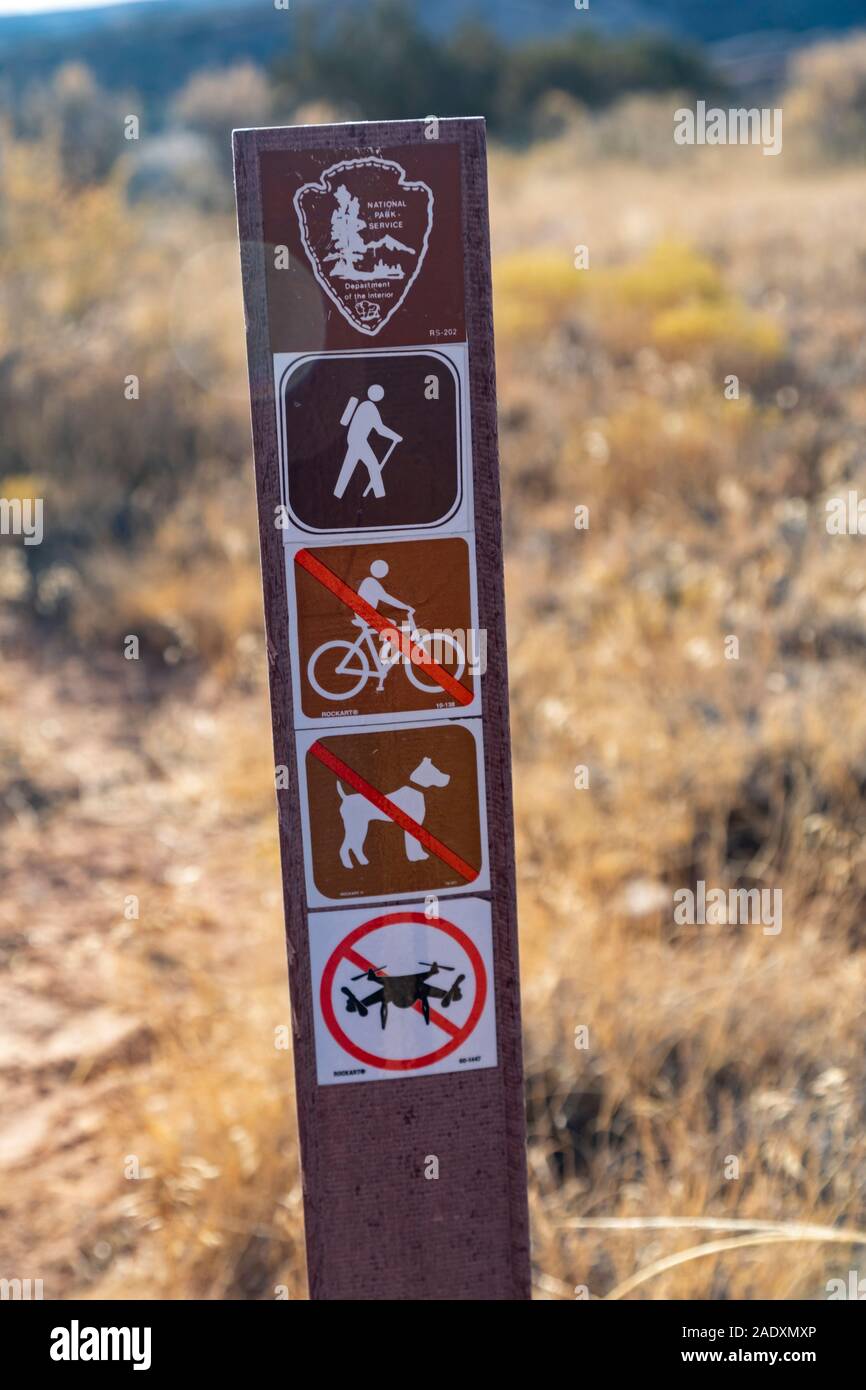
364, 420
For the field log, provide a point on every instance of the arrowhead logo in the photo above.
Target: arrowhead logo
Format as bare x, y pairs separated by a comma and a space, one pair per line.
365, 228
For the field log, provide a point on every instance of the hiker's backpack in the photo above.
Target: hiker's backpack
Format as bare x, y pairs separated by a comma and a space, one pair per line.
351, 407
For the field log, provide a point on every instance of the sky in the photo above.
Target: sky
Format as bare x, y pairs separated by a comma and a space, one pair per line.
50, 6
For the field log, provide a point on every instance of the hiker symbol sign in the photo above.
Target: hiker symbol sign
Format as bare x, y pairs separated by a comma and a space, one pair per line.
373, 441
398, 992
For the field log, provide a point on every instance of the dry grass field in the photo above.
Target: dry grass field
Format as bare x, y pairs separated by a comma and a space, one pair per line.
147, 1146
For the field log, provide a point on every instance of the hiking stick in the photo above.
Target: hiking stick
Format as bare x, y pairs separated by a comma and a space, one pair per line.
394, 443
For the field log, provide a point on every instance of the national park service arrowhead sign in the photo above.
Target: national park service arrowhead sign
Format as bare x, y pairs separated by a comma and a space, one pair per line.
366, 273
365, 227
363, 244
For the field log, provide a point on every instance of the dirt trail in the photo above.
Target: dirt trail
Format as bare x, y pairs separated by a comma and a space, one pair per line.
102, 798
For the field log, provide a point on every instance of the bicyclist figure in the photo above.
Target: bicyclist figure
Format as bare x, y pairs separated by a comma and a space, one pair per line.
374, 593
339, 669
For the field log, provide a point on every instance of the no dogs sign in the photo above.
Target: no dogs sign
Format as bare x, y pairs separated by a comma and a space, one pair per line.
393, 812
367, 291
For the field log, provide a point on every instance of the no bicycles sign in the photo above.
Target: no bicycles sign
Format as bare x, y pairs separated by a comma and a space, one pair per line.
366, 271
384, 630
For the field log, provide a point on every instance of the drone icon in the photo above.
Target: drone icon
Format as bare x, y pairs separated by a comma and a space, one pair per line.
403, 991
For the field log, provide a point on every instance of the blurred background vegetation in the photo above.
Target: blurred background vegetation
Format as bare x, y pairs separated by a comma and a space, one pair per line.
151, 1037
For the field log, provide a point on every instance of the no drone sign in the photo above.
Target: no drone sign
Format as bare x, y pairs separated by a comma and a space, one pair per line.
366, 275
428, 1008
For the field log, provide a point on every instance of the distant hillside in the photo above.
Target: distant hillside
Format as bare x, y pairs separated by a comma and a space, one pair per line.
713, 22
153, 47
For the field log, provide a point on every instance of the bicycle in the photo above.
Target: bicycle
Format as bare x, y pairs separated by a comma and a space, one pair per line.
361, 661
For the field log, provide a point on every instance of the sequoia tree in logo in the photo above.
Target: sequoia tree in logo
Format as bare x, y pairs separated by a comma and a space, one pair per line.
365, 228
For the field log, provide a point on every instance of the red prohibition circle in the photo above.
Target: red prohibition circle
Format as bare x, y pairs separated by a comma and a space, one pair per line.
412, 1063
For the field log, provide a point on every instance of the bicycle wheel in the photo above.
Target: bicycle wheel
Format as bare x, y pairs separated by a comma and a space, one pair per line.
336, 678
446, 651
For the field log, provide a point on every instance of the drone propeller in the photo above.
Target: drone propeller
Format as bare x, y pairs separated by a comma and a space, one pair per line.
364, 973
431, 963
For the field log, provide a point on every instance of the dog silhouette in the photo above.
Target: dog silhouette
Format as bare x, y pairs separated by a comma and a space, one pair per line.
357, 813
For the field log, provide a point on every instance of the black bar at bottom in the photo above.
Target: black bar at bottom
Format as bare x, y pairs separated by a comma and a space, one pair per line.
82, 1338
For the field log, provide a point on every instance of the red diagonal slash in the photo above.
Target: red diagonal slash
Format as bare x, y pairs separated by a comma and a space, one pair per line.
435, 1017
347, 774
409, 649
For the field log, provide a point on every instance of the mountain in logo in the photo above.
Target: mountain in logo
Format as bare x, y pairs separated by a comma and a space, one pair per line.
349, 219
351, 253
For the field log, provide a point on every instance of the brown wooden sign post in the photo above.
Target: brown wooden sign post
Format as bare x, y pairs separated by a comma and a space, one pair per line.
366, 274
